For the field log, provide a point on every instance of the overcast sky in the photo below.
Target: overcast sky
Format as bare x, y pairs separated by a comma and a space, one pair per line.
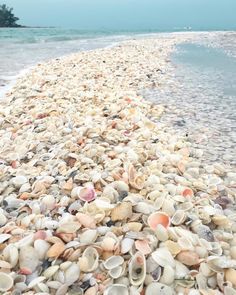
126, 14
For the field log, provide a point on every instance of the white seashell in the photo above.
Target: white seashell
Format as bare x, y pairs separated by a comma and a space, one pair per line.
178, 218
18, 181
11, 254
113, 262
116, 289
65, 265
89, 260
161, 233
26, 187
27, 241
6, 282
180, 270
185, 243
158, 288
3, 219
168, 275
163, 257
218, 264
54, 284
35, 282
103, 204
49, 272
143, 207
137, 269
43, 288
126, 245
116, 272
62, 290
72, 274
21, 286
28, 259
42, 248
4, 238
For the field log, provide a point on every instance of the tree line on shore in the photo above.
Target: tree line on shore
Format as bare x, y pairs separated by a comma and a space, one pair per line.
7, 17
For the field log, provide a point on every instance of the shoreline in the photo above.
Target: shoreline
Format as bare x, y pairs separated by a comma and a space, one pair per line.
99, 193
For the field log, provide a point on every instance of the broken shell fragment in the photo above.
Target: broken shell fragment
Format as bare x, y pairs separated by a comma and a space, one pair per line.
121, 212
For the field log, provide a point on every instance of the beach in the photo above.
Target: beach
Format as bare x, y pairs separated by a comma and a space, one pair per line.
101, 195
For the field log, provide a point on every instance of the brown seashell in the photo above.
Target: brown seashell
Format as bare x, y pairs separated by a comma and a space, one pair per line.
56, 250
68, 186
188, 258
230, 275
122, 211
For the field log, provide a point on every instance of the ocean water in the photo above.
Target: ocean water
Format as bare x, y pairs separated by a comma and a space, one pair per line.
200, 97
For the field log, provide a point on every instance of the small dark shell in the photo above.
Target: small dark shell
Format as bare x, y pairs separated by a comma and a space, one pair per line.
223, 202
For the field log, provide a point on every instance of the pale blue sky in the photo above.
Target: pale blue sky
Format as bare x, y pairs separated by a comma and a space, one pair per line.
126, 14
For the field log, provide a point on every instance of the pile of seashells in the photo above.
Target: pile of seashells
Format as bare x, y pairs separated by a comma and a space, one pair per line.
96, 197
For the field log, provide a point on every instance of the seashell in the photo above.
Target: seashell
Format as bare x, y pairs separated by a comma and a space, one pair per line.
68, 227
116, 289
143, 247
86, 220
173, 247
178, 218
133, 226
86, 194
145, 208
35, 282
126, 245
187, 192
89, 260
49, 202
188, 258
135, 181
56, 250
49, 272
72, 274
122, 211
41, 247
4, 264
137, 269
158, 218
168, 275
218, 264
3, 219
113, 262
163, 257
181, 270
185, 243
6, 282
161, 233
221, 220
108, 244
28, 260
89, 236
62, 290
116, 272
91, 291
11, 254
120, 186
103, 204
19, 180
4, 238
158, 288
229, 290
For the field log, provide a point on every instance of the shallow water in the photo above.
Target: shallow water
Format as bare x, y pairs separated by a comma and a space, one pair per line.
200, 100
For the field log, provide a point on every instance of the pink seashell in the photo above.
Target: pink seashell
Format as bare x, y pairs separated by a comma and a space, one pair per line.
87, 194
158, 218
143, 247
40, 235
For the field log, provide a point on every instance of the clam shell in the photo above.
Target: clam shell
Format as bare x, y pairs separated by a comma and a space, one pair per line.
89, 260
126, 245
158, 218
163, 257
113, 262
89, 236
179, 217
143, 247
137, 269
72, 274
6, 282
122, 211
116, 289
28, 259
188, 258
56, 250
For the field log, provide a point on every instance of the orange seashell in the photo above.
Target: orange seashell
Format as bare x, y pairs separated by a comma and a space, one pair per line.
56, 250
66, 237
143, 247
25, 196
158, 218
187, 192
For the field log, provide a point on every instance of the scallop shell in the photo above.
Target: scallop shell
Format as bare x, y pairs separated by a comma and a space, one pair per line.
158, 218
137, 269
89, 236
86, 194
143, 247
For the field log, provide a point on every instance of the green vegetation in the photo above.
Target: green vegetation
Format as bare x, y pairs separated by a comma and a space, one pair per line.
7, 17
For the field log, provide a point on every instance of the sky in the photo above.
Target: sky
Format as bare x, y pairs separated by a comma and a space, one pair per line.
126, 14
